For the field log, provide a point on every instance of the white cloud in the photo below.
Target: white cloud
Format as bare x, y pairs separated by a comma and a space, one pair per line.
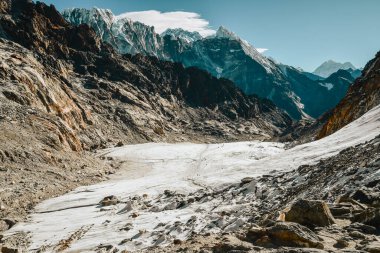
161, 21
262, 50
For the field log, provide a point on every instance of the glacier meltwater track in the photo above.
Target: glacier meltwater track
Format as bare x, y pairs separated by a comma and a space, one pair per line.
154, 181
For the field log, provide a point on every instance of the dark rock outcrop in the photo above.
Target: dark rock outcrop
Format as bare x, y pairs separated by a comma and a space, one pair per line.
311, 213
284, 234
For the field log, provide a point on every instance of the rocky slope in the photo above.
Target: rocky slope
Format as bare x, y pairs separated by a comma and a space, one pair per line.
64, 93
332, 206
329, 67
363, 95
223, 55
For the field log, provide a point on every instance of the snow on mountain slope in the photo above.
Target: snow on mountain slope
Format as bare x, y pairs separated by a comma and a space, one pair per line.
224, 55
248, 49
181, 34
151, 212
329, 67
122, 33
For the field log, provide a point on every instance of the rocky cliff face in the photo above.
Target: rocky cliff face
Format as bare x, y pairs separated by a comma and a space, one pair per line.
362, 96
223, 55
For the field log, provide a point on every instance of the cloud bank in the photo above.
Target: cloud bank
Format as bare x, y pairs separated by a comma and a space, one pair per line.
262, 50
189, 21
162, 21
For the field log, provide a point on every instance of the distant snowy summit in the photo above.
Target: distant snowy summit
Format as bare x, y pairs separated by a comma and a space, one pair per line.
329, 67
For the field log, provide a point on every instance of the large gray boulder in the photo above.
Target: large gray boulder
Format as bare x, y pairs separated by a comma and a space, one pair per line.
293, 235
284, 234
310, 213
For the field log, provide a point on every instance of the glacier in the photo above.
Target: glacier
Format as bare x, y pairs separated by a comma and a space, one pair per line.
151, 171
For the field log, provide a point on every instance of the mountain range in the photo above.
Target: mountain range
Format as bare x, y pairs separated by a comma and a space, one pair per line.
223, 55
329, 67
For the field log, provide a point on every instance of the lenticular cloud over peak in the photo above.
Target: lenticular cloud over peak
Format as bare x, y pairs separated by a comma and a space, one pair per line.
162, 21
262, 50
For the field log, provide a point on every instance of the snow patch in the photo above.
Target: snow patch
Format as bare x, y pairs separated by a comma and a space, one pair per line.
329, 86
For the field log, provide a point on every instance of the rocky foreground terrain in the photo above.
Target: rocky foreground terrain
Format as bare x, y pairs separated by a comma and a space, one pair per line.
332, 206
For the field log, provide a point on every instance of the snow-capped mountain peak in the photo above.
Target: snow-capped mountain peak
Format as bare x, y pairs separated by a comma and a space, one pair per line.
103, 18
223, 32
182, 34
329, 67
121, 32
223, 54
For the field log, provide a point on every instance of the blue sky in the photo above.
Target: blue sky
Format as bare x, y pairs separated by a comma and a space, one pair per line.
301, 33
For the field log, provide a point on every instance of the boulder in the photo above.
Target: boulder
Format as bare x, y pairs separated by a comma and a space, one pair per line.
340, 211
6, 224
3, 226
311, 213
293, 235
357, 235
284, 234
246, 180
109, 201
9, 250
370, 216
367, 196
373, 247
341, 243
255, 233
366, 229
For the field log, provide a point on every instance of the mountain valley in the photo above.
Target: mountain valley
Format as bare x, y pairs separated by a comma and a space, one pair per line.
117, 139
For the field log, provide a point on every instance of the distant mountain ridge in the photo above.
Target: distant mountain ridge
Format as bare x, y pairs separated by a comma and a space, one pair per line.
329, 67
224, 55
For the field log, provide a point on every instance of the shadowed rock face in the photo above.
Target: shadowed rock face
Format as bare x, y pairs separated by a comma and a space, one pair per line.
310, 213
362, 96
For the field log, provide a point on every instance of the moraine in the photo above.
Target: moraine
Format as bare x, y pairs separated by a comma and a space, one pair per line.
156, 183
